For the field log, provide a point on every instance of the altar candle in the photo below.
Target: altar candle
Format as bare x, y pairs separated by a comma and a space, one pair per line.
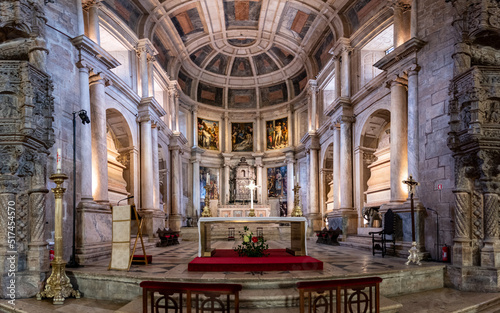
208, 178
58, 160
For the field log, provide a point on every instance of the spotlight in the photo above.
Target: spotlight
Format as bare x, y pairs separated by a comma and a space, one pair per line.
84, 117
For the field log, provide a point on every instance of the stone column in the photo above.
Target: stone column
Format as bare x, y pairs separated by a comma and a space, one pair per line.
258, 135
142, 53
195, 161
462, 247
413, 131
171, 107
156, 169
93, 8
346, 163
225, 194
489, 252
195, 125
85, 136
346, 72
227, 133
291, 141
313, 216
338, 81
146, 163
260, 166
99, 140
399, 139
336, 167
37, 245
176, 102
151, 86
290, 161
175, 218
313, 92
414, 19
401, 22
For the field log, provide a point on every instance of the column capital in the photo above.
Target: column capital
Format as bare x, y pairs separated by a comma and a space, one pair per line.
145, 117
347, 119
84, 66
99, 78
145, 46
151, 59
396, 80
225, 115
413, 70
91, 3
258, 116
312, 87
194, 108
400, 5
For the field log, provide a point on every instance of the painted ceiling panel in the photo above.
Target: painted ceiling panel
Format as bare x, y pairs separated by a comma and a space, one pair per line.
241, 42
299, 82
126, 10
264, 64
273, 94
242, 99
241, 67
282, 55
200, 55
187, 23
184, 81
295, 22
209, 94
242, 13
361, 11
219, 64
322, 55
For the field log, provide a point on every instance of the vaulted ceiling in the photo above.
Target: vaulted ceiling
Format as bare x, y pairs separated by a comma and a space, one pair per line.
236, 53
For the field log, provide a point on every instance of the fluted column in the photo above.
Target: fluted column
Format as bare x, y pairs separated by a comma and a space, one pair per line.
156, 169
195, 126
290, 162
401, 22
413, 131
85, 136
399, 139
147, 181
338, 78
489, 252
313, 92
99, 140
346, 163
93, 8
336, 167
346, 72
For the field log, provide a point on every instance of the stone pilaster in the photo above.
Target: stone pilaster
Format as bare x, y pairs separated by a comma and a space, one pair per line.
85, 135
196, 154
399, 139
290, 162
259, 165
313, 215
156, 169
99, 141
93, 7
336, 167
312, 92
413, 129
401, 22
171, 107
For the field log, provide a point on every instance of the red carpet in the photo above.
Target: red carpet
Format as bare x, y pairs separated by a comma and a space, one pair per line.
278, 260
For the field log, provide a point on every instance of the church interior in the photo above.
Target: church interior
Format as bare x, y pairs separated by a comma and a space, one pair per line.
346, 114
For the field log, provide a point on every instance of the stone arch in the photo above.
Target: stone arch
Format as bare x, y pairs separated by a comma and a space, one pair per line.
374, 148
120, 157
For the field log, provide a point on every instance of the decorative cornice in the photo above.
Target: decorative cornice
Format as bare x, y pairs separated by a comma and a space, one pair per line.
400, 53
92, 55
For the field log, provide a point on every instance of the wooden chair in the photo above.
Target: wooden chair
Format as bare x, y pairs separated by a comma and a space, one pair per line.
209, 302
260, 232
341, 296
230, 233
387, 234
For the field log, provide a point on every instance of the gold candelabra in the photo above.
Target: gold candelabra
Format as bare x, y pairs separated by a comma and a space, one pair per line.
297, 210
206, 210
58, 285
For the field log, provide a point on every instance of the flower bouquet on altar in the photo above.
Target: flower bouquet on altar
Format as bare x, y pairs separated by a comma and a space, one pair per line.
252, 246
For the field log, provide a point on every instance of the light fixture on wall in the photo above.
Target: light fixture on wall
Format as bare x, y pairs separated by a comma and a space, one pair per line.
85, 120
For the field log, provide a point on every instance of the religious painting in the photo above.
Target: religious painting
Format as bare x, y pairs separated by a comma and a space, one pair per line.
277, 134
208, 134
276, 182
209, 176
242, 137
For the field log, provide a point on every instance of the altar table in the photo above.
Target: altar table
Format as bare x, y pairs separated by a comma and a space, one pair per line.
298, 232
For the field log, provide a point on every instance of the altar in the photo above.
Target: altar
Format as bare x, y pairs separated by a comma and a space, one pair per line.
298, 232
236, 210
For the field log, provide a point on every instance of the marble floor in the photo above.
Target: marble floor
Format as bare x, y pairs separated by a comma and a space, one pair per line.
171, 262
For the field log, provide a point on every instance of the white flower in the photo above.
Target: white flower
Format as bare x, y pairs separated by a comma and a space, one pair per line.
246, 238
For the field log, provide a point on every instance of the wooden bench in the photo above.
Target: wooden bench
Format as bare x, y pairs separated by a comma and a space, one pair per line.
329, 237
341, 296
167, 237
208, 302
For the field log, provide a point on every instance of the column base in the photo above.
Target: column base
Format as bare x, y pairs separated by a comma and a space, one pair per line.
174, 222
473, 278
154, 219
38, 256
346, 219
462, 252
93, 232
490, 256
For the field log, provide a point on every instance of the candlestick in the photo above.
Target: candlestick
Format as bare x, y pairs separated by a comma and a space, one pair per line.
208, 178
58, 160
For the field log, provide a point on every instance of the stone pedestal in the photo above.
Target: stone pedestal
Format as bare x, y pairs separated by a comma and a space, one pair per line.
93, 232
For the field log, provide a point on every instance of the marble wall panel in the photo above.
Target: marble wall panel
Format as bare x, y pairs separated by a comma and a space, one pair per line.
210, 95
97, 227
242, 99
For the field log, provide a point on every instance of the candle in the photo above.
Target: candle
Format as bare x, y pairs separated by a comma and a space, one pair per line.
298, 171
58, 160
208, 178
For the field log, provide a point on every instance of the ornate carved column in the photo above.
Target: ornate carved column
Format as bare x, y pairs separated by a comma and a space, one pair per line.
346, 163
156, 170
462, 249
312, 92
336, 167
99, 141
399, 139
85, 136
401, 22
93, 28
489, 253
413, 131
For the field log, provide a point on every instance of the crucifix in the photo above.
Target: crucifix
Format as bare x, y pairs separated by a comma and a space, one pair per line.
252, 187
413, 257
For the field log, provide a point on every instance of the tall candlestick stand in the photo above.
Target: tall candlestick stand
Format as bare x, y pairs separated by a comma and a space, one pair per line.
414, 256
297, 211
252, 186
206, 210
58, 285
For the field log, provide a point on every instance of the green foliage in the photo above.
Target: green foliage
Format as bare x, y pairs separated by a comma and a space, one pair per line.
252, 246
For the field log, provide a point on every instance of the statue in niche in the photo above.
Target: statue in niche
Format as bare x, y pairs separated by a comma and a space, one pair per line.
244, 173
